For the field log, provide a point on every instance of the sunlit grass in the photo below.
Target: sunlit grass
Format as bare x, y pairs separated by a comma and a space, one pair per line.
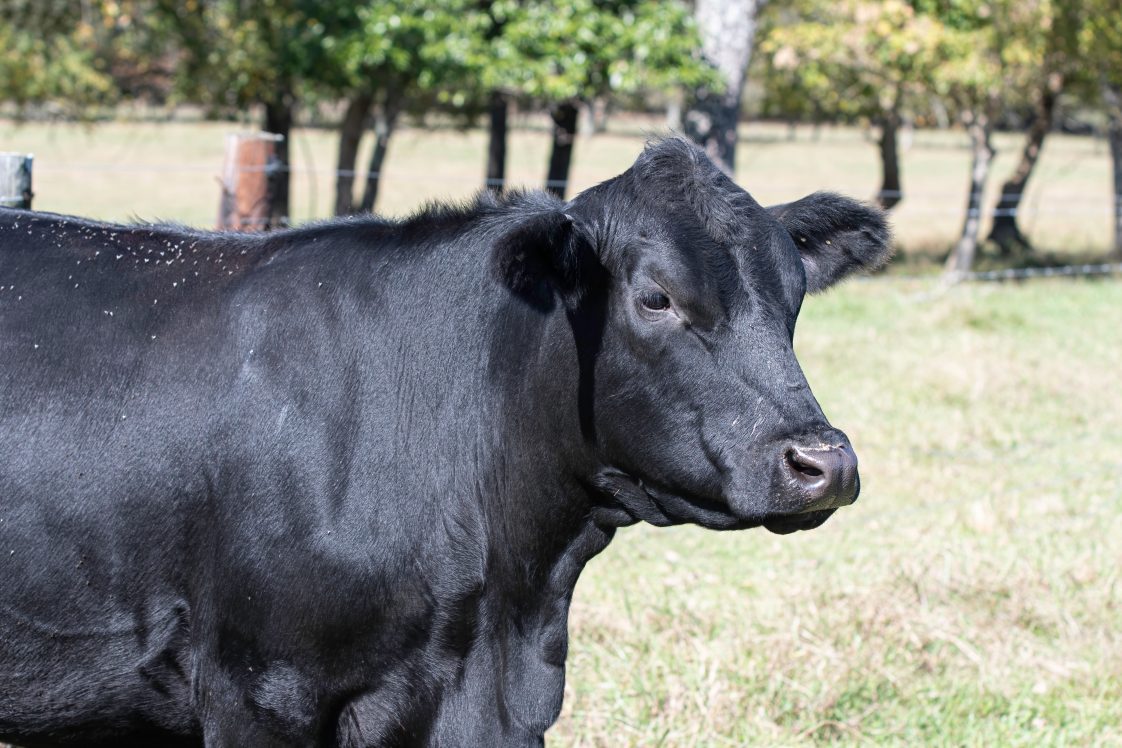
971, 596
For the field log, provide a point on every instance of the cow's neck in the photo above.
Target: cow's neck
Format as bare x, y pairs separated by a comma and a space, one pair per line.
540, 520
531, 616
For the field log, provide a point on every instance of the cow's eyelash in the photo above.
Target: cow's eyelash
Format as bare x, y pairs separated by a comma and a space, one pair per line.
656, 301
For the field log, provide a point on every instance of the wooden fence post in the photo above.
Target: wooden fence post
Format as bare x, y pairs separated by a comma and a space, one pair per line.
251, 159
15, 180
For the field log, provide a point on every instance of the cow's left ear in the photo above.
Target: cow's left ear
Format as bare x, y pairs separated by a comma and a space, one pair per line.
836, 236
544, 254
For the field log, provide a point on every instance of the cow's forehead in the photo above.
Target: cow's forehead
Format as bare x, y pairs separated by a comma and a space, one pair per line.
674, 184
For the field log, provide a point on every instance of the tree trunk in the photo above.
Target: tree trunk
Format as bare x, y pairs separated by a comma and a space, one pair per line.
1113, 98
350, 135
961, 258
278, 120
1115, 136
561, 155
728, 30
496, 146
1006, 234
383, 131
890, 189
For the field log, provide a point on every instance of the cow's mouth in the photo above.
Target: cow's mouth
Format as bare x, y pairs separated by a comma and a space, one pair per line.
632, 500
791, 523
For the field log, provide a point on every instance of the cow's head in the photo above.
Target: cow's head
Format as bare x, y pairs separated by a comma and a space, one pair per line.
682, 293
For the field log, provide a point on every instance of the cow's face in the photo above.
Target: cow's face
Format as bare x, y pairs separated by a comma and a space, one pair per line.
682, 294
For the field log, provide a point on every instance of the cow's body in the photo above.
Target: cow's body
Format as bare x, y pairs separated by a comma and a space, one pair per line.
327, 486
195, 508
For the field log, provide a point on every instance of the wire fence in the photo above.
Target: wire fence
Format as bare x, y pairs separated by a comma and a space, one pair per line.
914, 202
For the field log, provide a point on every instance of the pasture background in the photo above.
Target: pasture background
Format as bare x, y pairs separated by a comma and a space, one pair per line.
970, 597
169, 170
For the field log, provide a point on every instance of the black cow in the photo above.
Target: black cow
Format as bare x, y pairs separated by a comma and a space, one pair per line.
334, 485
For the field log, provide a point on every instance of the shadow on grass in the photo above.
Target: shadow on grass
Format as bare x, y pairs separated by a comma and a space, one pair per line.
928, 260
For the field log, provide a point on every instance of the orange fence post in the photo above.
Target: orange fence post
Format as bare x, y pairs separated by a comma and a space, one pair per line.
251, 159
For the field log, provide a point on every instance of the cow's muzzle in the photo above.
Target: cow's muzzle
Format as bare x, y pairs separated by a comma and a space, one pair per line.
821, 472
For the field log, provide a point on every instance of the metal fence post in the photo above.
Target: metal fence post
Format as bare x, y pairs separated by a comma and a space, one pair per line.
15, 180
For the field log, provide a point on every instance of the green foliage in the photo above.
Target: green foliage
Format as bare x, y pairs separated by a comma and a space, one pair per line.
57, 69
410, 49
1100, 39
854, 59
557, 51
1007, 49
235, 53
75, 56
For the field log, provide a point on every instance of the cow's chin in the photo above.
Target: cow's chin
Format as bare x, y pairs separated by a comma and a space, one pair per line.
631, 500
785, 525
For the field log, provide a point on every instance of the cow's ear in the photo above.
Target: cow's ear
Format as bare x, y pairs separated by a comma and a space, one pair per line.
836, 236
543, 254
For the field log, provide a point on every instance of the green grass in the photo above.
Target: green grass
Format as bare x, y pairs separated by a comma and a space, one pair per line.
972, 595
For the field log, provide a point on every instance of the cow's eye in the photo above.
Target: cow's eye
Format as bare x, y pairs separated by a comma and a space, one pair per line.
656, 301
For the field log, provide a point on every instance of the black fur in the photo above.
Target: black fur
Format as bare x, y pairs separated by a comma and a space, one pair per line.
836, 235
334, 485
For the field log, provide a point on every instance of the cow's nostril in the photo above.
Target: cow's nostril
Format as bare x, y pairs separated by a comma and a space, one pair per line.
823, 477
800, 466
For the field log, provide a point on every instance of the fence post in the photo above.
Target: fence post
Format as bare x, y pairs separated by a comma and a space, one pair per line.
251, 159
15, 180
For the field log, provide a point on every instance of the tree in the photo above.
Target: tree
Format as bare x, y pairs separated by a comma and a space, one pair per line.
1050, 32
392, 57
988, 60
1100, 40
856, 61
728, 29
239, 54
498, 100
566, 53
71, 55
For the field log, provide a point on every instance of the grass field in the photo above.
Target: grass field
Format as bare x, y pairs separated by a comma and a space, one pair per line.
971, 597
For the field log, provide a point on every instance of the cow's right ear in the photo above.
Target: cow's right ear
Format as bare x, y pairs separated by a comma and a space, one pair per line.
544, 254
